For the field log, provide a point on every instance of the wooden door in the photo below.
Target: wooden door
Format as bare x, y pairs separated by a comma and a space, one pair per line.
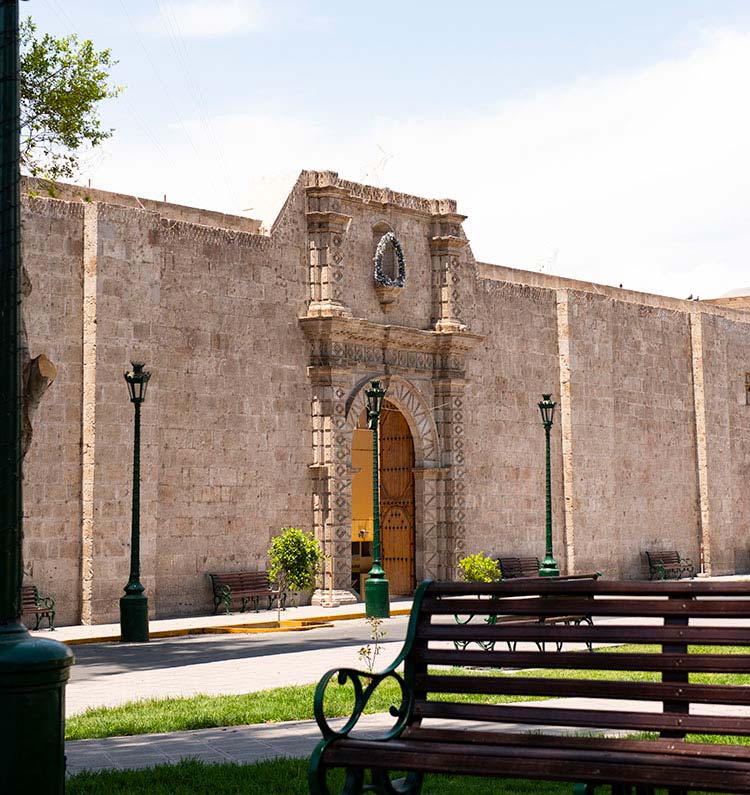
397, 501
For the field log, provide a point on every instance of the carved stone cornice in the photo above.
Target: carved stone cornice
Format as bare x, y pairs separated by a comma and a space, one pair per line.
447, 244
447, 225
327, 221
339, 343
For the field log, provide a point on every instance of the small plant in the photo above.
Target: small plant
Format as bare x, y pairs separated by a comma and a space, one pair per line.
479, 568
294, 560
369, 653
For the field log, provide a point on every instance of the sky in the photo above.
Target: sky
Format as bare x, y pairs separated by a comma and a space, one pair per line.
604, 140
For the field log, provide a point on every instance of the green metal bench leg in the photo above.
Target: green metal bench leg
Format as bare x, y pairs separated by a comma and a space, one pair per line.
583, 789
411, 784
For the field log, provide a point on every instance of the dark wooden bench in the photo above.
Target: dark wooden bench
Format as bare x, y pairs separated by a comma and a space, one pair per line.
656, 743
243, 588
38, 606
510, 568
666, 563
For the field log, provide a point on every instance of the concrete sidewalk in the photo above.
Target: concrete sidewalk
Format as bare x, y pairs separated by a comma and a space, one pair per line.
248, 744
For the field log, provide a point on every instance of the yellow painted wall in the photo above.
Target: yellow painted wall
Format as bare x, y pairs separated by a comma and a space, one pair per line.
362, 485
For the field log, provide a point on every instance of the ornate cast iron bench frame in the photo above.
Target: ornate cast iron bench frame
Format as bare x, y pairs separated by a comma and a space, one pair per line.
664, 563
245, 587
39, 606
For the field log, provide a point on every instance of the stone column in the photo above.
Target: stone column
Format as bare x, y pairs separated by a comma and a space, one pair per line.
326, 228
428, 518
88, 429
332, 485
701, 439
449, 417
446, 246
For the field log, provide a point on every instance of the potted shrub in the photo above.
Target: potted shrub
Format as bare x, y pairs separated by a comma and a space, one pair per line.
294, 561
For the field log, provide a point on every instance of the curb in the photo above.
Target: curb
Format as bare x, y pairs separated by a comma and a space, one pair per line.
251, 628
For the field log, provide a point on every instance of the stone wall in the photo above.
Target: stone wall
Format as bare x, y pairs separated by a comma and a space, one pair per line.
53, 252
515, 364
259, 346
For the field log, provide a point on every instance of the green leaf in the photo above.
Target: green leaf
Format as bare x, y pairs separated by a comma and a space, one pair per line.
62, 82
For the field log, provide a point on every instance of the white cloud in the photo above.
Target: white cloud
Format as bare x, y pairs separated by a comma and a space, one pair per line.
639, 178
206, 18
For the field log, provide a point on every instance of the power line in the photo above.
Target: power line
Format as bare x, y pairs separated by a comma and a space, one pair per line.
166, 90
177, 41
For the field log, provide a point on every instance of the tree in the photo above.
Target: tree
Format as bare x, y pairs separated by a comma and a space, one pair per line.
62, 82
294, 557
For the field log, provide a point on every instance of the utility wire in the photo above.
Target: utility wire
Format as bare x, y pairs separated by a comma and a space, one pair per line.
167, 92
177, 41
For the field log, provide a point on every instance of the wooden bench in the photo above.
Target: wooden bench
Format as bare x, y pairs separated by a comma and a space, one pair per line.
511, 568
493, 618
655, 745
666, 563
38, 606
243, 587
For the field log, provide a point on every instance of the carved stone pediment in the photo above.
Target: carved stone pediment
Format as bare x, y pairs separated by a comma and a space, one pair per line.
345, 343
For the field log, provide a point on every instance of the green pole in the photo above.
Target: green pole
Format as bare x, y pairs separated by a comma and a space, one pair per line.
134, 605
33, 672
549, 566
377, 601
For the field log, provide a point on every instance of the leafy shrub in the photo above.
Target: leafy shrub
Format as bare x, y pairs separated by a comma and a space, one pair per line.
479, 568
294, 557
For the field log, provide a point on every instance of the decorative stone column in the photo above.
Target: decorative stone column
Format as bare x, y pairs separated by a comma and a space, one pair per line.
332, 485
326, 229
429, 518
446, 246
449, 417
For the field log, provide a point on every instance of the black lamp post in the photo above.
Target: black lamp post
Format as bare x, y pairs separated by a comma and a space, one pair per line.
549, 567
377, 602
33, 671
134, 605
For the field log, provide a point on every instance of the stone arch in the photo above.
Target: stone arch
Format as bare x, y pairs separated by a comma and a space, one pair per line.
412, 404
428, 474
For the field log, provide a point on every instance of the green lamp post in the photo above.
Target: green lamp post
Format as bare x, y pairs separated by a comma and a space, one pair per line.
377, 602
549, 567
33, 671
134, 605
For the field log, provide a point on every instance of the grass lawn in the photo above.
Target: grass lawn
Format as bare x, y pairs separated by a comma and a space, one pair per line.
295, 703
280, 777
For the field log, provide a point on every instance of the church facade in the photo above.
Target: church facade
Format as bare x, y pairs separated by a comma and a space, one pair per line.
261, 345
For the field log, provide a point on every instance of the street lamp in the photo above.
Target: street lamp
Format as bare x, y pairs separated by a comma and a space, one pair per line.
547, 409
376, 586
134, 605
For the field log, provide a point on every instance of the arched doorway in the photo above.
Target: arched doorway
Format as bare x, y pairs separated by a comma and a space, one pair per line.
396, 501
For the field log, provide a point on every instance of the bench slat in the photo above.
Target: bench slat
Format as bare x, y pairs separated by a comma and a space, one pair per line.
522, 740
585, 633
544, 763
614, 661
541, 606
584, 718
580, 584
584, 688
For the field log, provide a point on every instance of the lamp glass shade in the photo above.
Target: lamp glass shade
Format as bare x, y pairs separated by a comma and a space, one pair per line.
375, 395
547, 409
137, 380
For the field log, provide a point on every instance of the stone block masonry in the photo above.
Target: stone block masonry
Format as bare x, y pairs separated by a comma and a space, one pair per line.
260, 345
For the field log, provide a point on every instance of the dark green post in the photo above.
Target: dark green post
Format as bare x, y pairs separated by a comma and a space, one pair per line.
549, 567
134, 605
377, 601
33, 671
